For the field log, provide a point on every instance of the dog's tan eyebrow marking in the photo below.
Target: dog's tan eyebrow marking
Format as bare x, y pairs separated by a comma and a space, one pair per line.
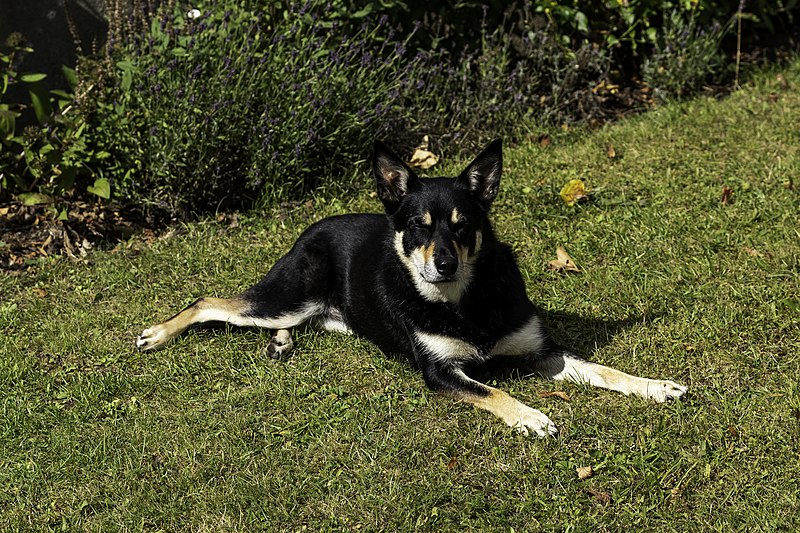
427, 219
455, 216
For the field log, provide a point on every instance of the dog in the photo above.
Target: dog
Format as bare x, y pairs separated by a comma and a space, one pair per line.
428, 279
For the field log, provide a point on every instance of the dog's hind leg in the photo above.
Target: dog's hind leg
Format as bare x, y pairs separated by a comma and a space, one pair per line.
562, 365
238, 311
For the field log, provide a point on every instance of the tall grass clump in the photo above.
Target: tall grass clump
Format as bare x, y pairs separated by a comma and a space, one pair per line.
225, 106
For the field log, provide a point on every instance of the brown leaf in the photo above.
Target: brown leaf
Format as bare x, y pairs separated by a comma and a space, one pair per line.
557, 393
782, 83
584, 472
563, 262
727, 195
752, 252
610, 152
452, 463
602, 497
544, 140
422, 157
41, 293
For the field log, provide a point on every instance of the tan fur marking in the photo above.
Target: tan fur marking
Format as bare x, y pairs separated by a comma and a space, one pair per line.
427, 219
454, 216
497, 402
462, 251
427, 252
513, 412
189, 316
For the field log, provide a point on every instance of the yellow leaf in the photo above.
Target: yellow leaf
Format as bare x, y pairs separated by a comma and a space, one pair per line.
422, 157
573, 192
584, 472
563, 262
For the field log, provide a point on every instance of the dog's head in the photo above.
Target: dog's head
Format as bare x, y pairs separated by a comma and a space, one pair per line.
439, 222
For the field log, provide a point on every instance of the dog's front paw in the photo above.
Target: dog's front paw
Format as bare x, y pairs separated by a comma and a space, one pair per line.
152, 338
662, 390
280, 345
530, 421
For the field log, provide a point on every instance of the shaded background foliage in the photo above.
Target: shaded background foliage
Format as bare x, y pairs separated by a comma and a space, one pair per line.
235, 103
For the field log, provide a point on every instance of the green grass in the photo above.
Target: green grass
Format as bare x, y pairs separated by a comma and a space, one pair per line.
209, 434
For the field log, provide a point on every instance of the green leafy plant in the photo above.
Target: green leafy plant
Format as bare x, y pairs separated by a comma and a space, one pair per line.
47, 159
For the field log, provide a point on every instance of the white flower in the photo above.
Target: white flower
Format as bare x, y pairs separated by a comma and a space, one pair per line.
193, 13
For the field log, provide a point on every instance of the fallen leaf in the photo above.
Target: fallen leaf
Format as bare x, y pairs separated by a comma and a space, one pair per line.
584, 472
452, 463
727, 195
610, 152
602, 497
563, 262
544, 140
573, 192
422, 157
39, 292
782, 83
752, 252
557, 393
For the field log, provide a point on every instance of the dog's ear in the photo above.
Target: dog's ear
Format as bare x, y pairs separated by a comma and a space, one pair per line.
392, 176
482, 176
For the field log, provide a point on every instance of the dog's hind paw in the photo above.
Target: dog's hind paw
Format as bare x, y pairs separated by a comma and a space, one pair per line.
280, 345
152, 338
664, 390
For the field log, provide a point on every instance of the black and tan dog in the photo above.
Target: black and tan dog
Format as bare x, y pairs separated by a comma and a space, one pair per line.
428, 279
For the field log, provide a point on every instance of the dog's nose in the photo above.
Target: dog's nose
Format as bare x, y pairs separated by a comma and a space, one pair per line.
446, 265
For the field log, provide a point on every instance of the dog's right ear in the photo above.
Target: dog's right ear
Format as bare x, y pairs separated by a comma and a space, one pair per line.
392, 176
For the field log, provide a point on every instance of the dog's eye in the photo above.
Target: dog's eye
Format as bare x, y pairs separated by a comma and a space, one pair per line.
418, 223
461, 224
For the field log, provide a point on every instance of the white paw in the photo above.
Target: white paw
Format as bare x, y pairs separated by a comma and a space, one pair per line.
152, 338
530, 420
280, 345
664, 390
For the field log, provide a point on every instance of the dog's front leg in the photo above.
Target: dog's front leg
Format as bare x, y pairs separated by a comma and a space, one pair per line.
449, 379
562, 365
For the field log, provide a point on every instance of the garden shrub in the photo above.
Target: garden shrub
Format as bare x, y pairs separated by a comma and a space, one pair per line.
684, 57
234, 106
224, 106
40, 162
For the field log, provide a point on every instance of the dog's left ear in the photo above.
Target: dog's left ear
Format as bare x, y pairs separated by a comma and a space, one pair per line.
393, 177
482, 176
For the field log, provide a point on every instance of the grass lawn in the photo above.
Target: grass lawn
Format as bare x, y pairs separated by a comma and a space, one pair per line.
209, 434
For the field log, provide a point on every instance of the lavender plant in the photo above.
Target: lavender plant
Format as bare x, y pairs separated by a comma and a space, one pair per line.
685, 56
223, 105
